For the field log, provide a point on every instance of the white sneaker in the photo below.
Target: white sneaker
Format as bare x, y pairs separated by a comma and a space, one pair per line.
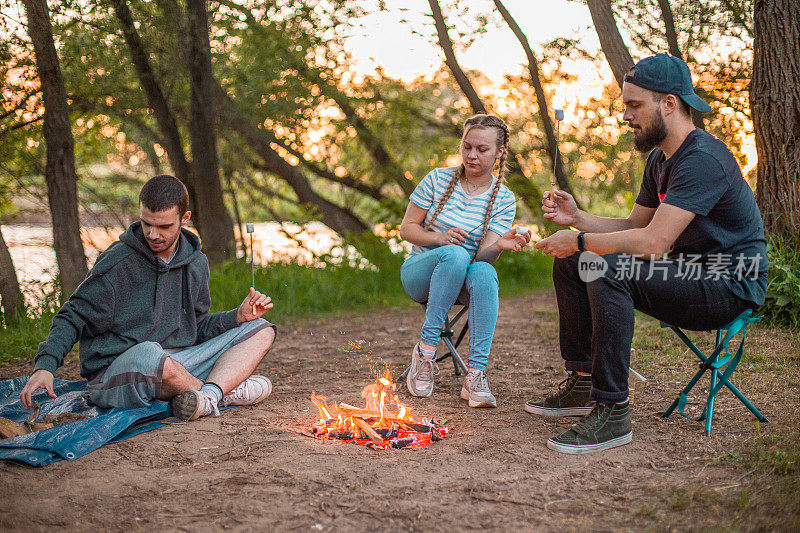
476, 390
192, 404
420, 376
250, 391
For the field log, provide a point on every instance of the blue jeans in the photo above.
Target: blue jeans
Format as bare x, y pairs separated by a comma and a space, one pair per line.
440, 277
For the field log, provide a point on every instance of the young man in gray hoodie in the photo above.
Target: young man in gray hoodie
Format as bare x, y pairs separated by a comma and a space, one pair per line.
141, 316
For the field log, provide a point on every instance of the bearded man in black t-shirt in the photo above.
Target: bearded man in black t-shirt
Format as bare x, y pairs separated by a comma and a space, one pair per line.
691, 253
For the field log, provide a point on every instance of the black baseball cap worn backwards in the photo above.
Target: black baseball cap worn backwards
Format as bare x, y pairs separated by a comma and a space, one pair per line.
667, 74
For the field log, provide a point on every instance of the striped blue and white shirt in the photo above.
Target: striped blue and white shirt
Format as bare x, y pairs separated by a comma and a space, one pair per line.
461, 210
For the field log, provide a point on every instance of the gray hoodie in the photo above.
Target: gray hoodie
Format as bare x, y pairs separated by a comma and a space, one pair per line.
132, 296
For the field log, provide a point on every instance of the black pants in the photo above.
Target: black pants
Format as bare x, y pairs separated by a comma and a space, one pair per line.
596, 317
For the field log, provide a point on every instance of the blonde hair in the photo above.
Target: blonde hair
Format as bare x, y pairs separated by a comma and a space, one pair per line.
483, 122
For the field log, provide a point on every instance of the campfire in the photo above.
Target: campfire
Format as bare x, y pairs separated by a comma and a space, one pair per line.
382, 423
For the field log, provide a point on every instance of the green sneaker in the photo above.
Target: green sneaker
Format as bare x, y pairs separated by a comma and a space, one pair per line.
607, 426
571, 399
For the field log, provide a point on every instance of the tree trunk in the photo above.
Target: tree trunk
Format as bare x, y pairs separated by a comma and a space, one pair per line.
525, 188
10, 294
219, 241
675, 50
775, 104
60, 173
617, 54
544, 113
339, 219
157, 102
450, 59
226, 173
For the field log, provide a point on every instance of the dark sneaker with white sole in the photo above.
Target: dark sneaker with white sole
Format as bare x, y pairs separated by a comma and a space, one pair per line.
607, 426
571, 399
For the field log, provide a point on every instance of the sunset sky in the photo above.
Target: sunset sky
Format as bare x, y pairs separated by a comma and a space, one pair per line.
393, 46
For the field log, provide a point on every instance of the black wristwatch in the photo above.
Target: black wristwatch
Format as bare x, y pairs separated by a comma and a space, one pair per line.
581, 243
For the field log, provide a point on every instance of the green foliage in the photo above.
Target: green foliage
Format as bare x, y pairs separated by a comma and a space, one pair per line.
523, 272
20, 336
715, 39
782, 306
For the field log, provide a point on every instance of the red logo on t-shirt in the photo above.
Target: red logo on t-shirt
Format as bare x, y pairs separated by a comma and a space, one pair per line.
661, 197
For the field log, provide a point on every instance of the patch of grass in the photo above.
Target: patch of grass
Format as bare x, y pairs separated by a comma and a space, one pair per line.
775, 453
742, 500
683, 498
645, 511
301, 291
20, 336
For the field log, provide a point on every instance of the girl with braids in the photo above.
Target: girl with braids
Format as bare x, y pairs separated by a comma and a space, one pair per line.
459, 221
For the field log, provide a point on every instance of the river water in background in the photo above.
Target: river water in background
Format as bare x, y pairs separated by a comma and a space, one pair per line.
31, 248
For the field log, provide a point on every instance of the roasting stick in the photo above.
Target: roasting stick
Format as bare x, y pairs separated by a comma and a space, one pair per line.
559, 117
250, 229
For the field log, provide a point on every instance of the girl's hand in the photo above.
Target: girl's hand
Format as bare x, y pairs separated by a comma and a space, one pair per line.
453, 236
514, 240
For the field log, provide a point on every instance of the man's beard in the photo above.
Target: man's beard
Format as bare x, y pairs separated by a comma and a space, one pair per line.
165, 245
648, 138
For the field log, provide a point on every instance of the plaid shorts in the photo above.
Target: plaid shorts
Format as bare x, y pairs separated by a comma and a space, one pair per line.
133, 379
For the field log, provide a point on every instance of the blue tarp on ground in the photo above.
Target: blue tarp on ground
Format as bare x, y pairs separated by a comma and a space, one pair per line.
70, 441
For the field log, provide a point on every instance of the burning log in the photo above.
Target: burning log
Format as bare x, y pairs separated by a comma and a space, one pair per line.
351, 410
343, 434
387, 433
368, 431
402, 443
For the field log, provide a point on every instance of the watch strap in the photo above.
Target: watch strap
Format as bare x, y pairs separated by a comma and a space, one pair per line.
581, 242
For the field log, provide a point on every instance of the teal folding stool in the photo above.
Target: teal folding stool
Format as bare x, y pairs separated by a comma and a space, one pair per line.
722, 363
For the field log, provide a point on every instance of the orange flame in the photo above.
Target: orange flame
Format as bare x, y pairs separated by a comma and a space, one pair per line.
320, 403
346, 422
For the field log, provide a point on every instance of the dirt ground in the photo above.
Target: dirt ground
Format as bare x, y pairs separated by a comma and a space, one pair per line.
255, 469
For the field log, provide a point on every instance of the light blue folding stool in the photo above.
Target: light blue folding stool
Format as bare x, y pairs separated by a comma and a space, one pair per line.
722, 363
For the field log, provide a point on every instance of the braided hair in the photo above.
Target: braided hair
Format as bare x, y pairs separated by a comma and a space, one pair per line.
479, 121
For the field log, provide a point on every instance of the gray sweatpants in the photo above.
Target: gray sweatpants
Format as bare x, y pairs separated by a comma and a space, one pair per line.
134, 378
